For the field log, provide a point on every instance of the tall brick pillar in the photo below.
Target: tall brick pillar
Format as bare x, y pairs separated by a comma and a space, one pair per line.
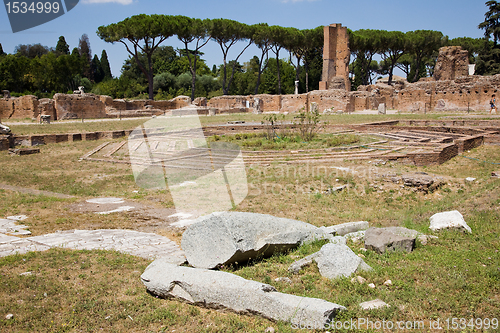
336, 56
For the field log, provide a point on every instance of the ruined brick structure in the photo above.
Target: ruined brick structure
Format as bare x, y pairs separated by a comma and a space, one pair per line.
454, 90
452, 63
86, 106
467, 93
336, 58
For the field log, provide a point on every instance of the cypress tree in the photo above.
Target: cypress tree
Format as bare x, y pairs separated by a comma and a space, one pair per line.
62, 47
106, 69
75, 52
86, 56
97, 69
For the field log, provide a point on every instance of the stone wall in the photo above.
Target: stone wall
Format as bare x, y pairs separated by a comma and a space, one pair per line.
452, 63
466, 93
6, 108
19, 108
46, 107
86, 106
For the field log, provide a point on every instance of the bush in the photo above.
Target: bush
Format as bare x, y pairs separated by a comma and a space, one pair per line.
119, 88
163, 81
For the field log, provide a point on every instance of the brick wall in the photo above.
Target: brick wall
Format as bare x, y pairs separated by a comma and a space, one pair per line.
25, 107
6, 108
78, 106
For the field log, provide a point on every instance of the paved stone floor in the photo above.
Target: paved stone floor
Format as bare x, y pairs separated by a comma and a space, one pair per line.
145, 245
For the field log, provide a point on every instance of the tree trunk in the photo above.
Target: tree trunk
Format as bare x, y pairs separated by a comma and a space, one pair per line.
297, 73
278, 69
306, 67
417, 72
390, 75
258, 75
150, 77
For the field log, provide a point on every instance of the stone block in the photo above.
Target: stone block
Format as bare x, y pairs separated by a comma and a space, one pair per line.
382, 240
449, 220
382, 108
222, 290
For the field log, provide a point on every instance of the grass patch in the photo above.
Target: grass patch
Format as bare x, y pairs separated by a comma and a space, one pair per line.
457, 275
259, 141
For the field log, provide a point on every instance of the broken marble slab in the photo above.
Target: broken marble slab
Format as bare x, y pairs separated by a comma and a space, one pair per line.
346, 228
334, 260
224, 238
222, 290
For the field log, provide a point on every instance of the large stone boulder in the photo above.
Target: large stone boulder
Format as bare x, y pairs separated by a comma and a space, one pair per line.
224, 238
449, 220
215, 289
381, 240
334, 260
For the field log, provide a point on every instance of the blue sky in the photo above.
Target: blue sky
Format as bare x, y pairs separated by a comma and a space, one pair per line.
456, 18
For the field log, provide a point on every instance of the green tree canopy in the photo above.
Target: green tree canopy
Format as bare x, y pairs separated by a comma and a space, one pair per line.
491, 24
421, 46
190, 31
62, 47
393, 44
227, 33
106, 69
141, 33
364, 44
86, 56
31, 50
262, 40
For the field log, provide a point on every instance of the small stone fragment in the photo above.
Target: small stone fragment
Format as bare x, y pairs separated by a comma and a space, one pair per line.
283, 279
388, 283
9, 316
375, 304
449, 220
269, 330
371, 285
360, 279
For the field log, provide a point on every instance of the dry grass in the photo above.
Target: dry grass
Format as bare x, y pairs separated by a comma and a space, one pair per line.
27, 126
98, 291
457, 275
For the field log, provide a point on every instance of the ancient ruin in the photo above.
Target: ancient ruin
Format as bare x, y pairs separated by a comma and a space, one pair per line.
452, 63
336, 57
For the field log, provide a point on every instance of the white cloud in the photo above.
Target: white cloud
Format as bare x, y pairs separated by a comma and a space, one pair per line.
122, 2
